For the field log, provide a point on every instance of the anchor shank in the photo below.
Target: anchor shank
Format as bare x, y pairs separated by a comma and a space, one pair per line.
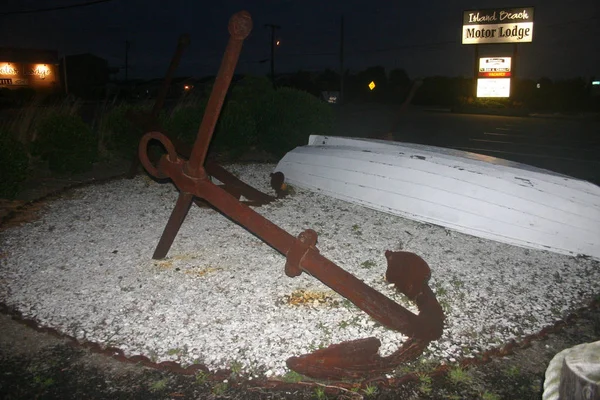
270, 233
377, 305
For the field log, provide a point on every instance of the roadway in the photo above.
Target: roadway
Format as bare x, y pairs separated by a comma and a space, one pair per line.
568, 145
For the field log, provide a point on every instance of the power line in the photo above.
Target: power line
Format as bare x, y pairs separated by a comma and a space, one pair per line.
39, 10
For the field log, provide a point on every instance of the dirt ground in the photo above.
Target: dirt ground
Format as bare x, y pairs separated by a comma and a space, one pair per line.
39, 365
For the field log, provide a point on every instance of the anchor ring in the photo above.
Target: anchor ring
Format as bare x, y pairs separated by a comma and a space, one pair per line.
143, 152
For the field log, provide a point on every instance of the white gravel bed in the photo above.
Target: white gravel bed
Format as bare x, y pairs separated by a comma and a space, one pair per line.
220, 298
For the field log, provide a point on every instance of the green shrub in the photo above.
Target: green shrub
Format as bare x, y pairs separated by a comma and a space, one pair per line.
66, 142
17, 97
242, 115
235, 130
185, 118
118, 133
256, 93
293, 116
14, 162
245, 113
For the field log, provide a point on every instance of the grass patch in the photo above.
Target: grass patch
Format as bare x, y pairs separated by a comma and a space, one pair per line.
425, 383
219, 389
236, 367
292, 377
513, 371
320, 393
159, 385
368, 264
174, 352
370, 390
201, 378
489, 396
43, 382
459, 375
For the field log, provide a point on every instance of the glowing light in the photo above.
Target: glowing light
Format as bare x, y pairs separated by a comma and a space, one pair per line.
186, 87
493, 87
8, 69
278, 42
596, 83
372, 85
41, 70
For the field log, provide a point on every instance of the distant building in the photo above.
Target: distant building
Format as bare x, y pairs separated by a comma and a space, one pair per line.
87, 75
29, 68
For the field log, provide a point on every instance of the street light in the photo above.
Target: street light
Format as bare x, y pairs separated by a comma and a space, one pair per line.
273, 44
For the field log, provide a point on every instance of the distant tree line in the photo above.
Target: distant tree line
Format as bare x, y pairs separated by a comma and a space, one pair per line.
567, 95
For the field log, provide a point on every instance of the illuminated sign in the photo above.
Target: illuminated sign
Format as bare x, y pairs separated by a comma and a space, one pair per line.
494, 77
493, 87
19, 74
372, 85
596, 83
498, 25
8, 69
494, 67
40, 70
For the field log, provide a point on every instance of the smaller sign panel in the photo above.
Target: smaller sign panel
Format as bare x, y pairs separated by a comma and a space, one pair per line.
372, 85
498, 25
494, 67
493, 87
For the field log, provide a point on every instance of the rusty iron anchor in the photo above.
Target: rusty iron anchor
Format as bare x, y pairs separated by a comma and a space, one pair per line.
408, 271
149, 122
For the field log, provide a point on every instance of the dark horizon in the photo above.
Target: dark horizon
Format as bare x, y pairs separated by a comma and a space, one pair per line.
423, 39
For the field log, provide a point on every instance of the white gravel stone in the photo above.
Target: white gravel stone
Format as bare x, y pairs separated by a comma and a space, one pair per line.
85, 268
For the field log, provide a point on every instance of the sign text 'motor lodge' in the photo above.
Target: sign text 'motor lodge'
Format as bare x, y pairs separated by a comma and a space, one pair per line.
513, 25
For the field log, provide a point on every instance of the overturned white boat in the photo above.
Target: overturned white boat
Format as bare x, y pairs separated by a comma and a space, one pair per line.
471, 193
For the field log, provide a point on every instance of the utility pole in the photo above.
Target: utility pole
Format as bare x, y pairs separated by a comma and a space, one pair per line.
65, 74
475, 69
273, 27
342, 59
126, 60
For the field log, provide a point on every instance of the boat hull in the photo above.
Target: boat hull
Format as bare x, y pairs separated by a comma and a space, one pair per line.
471, 193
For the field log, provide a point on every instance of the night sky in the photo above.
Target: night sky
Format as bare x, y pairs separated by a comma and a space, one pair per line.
423, 38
